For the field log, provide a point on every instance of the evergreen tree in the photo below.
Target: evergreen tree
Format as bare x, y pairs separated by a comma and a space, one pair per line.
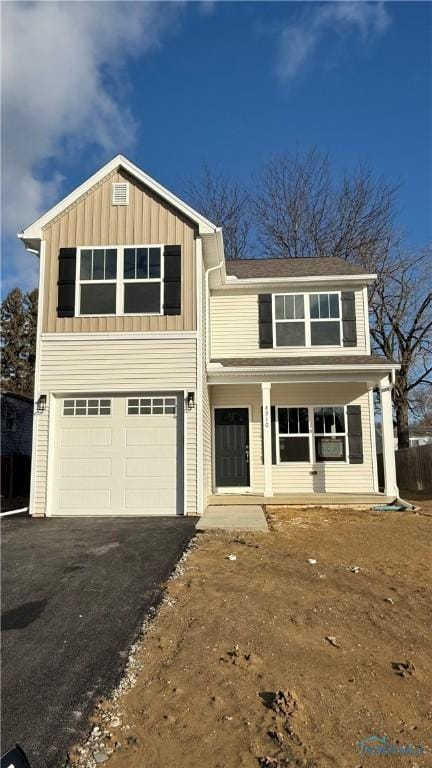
18, 341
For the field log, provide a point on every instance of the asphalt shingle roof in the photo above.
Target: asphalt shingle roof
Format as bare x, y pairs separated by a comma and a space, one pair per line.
248, 362
301, 267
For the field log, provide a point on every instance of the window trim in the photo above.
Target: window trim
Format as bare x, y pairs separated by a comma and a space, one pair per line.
300, 320
307, 434
119, 281
308, 320
312, 435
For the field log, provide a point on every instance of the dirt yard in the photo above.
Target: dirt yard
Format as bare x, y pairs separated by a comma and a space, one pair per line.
270, 660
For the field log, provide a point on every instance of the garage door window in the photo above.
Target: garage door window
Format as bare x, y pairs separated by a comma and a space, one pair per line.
146, 406
87, 407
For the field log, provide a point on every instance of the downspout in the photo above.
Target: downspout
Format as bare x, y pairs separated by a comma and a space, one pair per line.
207, 292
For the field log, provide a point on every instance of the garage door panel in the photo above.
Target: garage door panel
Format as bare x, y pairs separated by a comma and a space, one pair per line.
79, 500
151, 435
82, 437
151, 467
118, 463
150, 500
85, 467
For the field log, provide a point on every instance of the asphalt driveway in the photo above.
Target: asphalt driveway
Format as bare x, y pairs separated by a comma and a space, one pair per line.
74, 593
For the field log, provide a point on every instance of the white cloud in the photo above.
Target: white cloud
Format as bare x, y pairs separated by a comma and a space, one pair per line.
299, 41
63, 88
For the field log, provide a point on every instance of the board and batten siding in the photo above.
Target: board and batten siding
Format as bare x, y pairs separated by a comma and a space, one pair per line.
93, 221
296, 477
114, 366
235, 328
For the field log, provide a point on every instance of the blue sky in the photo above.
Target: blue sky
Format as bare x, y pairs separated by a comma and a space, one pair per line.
171, 85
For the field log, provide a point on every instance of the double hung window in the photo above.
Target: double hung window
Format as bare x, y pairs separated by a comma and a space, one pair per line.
330, 433
293, 441
98, 281
307, 320
311, 434
120, 281
290, 320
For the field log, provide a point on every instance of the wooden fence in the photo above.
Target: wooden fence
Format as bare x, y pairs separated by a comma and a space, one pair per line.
413, 468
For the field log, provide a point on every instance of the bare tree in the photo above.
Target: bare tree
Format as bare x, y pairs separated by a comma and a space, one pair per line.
225, 203
300, 211
421, 405
401, 313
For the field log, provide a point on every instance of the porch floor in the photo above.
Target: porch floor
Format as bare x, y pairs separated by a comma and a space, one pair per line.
313, 499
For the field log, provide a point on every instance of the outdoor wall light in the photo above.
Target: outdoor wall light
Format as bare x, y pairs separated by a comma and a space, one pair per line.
190, 400
41, 403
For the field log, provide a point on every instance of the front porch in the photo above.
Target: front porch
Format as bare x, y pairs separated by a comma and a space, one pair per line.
299, 437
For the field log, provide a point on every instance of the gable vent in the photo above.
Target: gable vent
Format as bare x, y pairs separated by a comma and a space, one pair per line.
120, 193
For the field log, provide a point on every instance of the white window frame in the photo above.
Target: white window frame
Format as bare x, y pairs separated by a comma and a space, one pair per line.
307, 320
312, 435
119, 280
133, 280
308, 434
294, 320
326, 319
79, 282
331, 434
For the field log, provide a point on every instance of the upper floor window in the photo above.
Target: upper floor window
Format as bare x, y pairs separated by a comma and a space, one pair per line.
325, 318
142, 280
119, 280
98, 272
305, 320
290, 323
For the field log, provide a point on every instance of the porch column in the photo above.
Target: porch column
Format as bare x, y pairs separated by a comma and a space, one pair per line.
267, 438
390, 482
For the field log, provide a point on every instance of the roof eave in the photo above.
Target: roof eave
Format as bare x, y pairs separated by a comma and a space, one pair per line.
237, 282
218, 368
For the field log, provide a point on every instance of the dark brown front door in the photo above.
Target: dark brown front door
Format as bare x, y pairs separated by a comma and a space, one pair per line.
232, 447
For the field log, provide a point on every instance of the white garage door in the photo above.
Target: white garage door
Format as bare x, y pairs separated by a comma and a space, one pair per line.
117, 455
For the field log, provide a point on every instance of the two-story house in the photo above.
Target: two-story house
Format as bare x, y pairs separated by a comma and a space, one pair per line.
166, 375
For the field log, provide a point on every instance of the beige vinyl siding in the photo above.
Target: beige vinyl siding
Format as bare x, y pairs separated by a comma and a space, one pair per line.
206, 414
191, 461
296, 476
235, 330
40, 457
115, 366
93, 221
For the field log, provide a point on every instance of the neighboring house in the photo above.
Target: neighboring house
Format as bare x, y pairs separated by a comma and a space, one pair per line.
16, 443
418, 436
165, 374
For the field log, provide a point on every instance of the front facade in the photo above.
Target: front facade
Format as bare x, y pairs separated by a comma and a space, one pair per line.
165, 375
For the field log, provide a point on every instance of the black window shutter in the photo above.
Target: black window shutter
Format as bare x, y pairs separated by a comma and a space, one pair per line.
349, 327
172, 280
355, 437
265, 320
273, 434
66, 282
